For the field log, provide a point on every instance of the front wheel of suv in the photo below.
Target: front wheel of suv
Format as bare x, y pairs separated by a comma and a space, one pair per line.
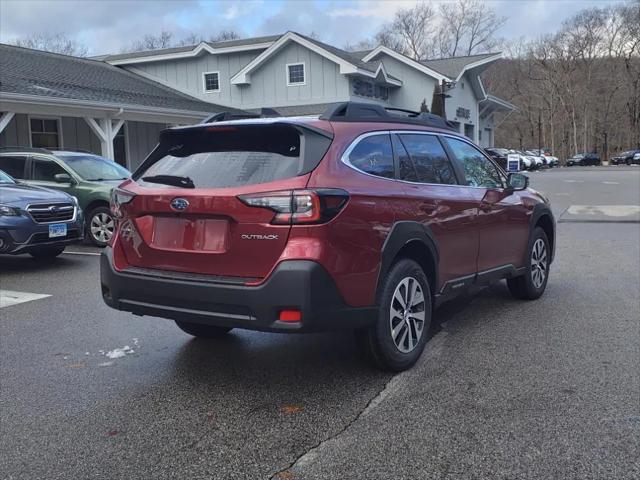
100, 226
399, 335
202, 331
532, 284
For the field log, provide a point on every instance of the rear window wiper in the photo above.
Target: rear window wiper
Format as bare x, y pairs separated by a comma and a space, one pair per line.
173, 180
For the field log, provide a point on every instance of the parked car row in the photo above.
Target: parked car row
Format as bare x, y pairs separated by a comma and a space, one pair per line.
529, 159
627, 158
49, 199
584, 159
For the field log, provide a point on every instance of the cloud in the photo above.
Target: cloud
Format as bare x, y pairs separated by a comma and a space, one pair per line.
108, 26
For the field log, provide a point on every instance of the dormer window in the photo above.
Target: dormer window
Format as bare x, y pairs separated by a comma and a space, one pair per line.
211, 82
295, 74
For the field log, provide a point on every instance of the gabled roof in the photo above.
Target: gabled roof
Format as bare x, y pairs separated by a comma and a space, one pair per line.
454, 67
35, 73
227, 46
348, 62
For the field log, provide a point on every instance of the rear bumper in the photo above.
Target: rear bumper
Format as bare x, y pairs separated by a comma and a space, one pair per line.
296, 284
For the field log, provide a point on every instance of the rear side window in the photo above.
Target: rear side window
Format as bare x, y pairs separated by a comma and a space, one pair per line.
374, 155
46, 170
13, 165
426, 161
231, 156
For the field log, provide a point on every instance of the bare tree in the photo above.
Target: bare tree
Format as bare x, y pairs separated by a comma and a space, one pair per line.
415, 28
56, 43
467, 27
224, 35
165, 39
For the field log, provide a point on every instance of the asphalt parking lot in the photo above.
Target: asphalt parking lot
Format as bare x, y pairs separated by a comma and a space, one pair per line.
505, 389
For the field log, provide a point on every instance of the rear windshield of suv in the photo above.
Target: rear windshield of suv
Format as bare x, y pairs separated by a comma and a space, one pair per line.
231, 156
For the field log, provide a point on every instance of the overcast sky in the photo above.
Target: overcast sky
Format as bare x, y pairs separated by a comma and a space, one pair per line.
108, 26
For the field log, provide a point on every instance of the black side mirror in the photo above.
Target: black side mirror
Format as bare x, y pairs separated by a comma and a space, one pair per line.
63, 178
517, 181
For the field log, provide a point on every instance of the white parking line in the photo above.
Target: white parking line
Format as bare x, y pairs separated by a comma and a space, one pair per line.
9, 297
94, 254
611, 183
573, 181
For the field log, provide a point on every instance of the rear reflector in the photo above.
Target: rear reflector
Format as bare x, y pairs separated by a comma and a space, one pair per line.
290, 316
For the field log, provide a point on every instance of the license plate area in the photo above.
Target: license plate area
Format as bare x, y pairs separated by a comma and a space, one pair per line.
57, 230
190, 234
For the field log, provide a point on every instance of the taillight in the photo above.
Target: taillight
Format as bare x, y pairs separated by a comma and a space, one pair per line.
299, 206
120, 197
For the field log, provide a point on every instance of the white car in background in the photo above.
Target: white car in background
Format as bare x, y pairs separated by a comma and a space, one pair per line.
539, 160
551, 160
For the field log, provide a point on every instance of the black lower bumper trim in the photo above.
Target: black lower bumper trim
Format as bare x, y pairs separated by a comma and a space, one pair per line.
296, 284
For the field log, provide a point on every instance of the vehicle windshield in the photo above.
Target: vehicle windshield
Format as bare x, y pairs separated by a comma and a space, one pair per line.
4, 178
94, 168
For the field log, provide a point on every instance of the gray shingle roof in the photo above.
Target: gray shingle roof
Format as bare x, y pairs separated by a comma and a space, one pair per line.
350, 57
34, 72
451, 67
188, 48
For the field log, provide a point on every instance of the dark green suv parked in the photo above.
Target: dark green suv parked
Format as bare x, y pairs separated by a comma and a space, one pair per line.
84, 175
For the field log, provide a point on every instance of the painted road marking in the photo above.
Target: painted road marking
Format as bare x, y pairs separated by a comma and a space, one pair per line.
611, 183
94, 254
9, 297
606, 210
573, 181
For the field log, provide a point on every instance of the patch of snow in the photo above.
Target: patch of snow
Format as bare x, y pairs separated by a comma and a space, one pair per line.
105, 364
120, 352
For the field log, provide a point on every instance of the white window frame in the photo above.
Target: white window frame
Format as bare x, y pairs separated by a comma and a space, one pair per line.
46, 117
304, 74
204, 82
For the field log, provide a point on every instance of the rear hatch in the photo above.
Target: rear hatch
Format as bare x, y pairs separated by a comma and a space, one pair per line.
197, 203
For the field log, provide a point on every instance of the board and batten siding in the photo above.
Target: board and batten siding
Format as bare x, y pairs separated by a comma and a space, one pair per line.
76, 134
268, 88
186, 74
416, 86
142, 138
463, 96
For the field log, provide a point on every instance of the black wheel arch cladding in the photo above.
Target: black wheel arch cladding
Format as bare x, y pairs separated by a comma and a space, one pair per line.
401, 237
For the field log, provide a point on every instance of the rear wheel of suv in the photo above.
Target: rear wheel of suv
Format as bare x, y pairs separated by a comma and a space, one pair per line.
532, 284
44, 253
202, 331
398, 338
100, 226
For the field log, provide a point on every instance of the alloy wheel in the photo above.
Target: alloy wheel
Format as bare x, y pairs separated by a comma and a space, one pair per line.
539, 263
407, 314
102, 227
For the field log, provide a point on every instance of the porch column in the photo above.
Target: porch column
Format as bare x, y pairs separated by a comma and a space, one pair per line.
5, 118
106, 130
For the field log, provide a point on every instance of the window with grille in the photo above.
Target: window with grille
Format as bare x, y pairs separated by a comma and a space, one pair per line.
44, 133
295, 74
212, 82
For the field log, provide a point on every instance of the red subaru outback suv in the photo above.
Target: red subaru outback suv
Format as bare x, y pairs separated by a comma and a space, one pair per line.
362, 218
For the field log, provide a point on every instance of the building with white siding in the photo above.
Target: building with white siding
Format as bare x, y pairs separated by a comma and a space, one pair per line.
115, 105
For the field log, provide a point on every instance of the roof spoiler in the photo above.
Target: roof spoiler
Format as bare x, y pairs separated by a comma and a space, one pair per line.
239, 115
371, 112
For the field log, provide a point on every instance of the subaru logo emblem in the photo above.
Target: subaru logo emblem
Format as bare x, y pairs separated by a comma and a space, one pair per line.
179, 204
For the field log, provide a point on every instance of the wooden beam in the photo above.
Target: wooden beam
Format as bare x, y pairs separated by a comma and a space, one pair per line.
5, 118
115, 128
97, 129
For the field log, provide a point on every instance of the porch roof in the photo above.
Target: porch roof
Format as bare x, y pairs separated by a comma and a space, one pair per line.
33, 74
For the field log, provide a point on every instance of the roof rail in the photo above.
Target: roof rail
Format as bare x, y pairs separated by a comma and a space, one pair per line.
225, 116
24, 149
371, 112
76, 150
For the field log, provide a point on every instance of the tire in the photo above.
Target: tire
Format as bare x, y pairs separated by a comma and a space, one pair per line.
100, 225
46, 253
533, 283
202, 331
400, 351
